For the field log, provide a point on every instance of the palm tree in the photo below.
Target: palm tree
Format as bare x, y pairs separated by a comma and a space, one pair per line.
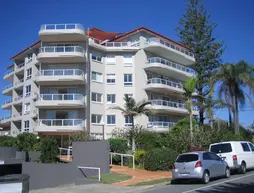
233, 78
189, 90
132, 109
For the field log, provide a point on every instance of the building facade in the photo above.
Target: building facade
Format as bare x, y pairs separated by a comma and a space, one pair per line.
68, 80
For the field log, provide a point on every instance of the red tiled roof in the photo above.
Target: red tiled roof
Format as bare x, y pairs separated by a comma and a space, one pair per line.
153, 32
100, 34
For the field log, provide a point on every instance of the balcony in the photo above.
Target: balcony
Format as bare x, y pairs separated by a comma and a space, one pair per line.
18, 100
19, 84
20, 67
159, 126
168, 68
7, 104
163, 85
61, 54
8, 74
47, 101
62, 32
61, 77
17, 116
169, 50
60, 125
7, 90
5, 120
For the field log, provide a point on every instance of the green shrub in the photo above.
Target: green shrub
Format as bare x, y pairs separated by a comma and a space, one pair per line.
149, 140
6, 141
118, 145
49, 150
140, 156
79, 137
26, 141
160, 159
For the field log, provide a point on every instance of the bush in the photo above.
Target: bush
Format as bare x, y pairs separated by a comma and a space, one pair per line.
79, 136
118, 145
139, 157
149, 140
160, 159
6, 141
26, 141
49, 150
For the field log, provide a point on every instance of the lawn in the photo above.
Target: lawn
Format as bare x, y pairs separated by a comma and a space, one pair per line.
152, 182
111, 178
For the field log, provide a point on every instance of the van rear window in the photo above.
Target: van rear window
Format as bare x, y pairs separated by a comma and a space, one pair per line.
221, 148
187, 158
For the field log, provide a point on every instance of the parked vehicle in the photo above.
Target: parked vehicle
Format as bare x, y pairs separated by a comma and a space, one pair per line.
238, 154
199, 165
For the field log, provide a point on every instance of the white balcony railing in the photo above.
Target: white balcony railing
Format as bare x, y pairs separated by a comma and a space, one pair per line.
19, 82
61, 26
17, 114
161, 124
61, 97
168, 103
170, 45
10, 71
61, 72
20, 65
7, 87
18, 98
61, 49
164, 82
116, 44
7, 117
62, 122
171, 64
7, 101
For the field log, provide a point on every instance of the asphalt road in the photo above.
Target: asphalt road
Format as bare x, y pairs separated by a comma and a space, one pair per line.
234, 184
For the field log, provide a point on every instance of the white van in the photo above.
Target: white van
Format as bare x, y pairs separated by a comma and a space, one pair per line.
238, 154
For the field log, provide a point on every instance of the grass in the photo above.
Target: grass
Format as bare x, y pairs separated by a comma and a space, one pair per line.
152, 182
111, 178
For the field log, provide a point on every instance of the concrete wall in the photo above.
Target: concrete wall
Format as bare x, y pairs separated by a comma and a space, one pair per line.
7, 152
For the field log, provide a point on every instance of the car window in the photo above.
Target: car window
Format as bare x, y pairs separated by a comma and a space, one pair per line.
187, 158
251, 146
245, 147
221, 148
206, 156
214, 157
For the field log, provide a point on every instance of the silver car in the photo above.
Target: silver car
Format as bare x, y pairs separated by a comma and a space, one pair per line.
199, 165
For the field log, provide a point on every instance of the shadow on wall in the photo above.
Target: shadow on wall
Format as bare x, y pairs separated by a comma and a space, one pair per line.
230, 187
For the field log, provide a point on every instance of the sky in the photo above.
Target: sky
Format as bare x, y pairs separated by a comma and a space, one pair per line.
21, 20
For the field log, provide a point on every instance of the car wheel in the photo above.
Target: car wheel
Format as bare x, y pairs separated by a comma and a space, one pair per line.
206, 177
227, 172
243, 168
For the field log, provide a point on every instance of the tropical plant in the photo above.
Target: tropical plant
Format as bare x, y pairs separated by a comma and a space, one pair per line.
189, 89
133, 109
232, 79
196, 32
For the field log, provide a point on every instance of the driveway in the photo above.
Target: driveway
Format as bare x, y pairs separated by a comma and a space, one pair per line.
235, 184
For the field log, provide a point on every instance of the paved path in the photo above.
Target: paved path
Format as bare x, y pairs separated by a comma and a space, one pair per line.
235, 184
138, 175
92, 188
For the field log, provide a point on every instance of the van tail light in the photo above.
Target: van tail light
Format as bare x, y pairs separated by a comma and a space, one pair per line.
173, 167
234, 158
198, 164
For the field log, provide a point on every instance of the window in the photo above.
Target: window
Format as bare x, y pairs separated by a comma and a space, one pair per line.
27, 108
128, 121
111, 98
214, 157
111, 119
28, 91
96, 76
127, 60
96, 58
221, 148
127, 79
245, 147
97, 119
29, 57
96, 97
251, 146
26, 126
29, 73
187, 158
111, 78
110, 59
129, 95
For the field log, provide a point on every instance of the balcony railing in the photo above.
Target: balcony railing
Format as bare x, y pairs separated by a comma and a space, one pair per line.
168, 103
17, 114
171, 64
61, 122
165, 82
170, 45
61, 97
61, 72
5, 118
61, 26
161, 124
116, 44
62, 49
18, 98
19, 82
7, 101
7, 87
20, 65
9, 72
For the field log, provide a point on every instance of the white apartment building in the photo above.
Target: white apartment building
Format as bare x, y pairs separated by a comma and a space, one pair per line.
68, 80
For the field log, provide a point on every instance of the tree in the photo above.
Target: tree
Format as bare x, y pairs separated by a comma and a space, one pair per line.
132, 109
196, 32
189, 89
232, 79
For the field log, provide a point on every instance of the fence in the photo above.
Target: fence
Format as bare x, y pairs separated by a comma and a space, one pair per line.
122, 156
